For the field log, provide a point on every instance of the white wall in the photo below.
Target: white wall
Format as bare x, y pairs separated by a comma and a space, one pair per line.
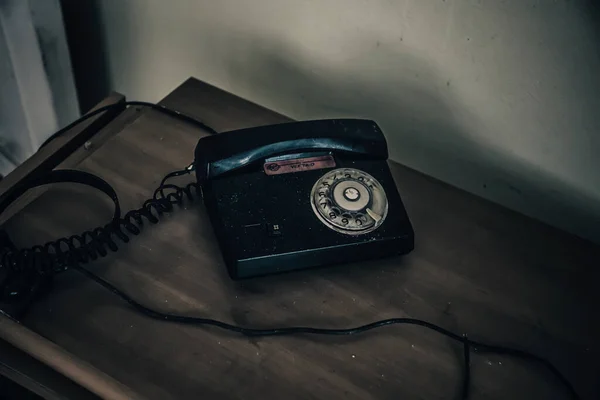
499, 97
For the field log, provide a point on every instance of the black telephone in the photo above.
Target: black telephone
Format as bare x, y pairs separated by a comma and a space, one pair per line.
301, 194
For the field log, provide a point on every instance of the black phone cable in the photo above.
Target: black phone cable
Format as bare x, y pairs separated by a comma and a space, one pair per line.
72, 252
299, 330
467, 370
125, 104
19, 268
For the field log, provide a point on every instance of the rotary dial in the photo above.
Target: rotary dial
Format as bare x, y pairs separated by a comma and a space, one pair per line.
349, 201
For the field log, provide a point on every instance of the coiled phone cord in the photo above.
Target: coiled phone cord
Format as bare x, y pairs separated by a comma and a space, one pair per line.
58, 255
73, 251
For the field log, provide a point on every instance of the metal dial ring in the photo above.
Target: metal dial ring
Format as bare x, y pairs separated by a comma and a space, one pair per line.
349, 201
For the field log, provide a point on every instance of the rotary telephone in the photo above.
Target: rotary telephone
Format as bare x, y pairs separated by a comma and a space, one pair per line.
301, 194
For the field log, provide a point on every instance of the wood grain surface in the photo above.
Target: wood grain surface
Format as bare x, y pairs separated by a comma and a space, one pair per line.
477, 268
38, 378
64, 151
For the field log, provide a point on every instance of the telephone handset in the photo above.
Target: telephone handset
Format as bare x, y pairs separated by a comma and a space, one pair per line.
301, 194
228, 151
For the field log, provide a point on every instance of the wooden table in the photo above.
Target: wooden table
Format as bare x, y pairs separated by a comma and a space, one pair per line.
477, 268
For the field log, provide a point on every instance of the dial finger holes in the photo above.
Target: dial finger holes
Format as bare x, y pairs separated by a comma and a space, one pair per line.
341, 198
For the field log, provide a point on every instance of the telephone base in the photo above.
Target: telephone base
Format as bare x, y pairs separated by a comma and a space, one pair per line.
266, 223
276, 263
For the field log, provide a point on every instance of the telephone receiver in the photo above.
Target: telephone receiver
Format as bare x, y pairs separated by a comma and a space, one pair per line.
228, 151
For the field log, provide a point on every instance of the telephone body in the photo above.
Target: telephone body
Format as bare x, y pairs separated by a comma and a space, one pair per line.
301, 194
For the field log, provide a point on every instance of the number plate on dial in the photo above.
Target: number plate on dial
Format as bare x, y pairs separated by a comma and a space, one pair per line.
349, 201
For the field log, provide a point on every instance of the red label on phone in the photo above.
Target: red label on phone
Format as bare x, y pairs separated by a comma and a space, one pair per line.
298, 165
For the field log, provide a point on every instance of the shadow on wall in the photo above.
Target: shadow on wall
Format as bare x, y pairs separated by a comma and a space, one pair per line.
84, 27
418, 109
419, 122
592, 8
